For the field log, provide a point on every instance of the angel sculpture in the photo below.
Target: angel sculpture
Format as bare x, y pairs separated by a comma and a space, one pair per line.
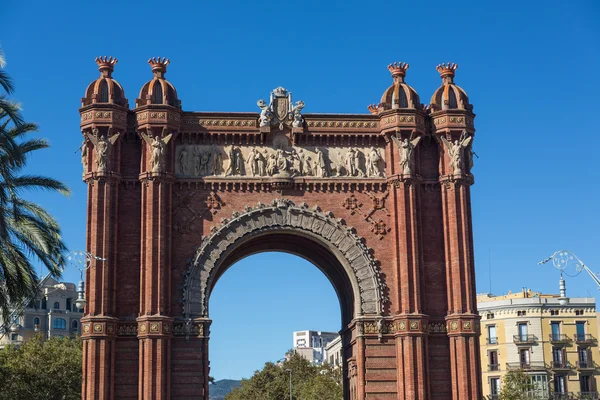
406, 147
456, 151
102, 146
295, 115
266, 115
157, 145
84, 156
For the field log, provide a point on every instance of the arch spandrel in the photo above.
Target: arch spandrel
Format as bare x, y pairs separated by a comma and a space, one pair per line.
284, 216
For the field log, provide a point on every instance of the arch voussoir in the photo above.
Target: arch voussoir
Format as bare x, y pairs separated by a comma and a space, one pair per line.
361, 267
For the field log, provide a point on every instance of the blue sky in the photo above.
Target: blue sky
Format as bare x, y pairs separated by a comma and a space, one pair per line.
530, 69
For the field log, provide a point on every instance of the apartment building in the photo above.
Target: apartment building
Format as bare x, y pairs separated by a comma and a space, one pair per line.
52, 312
553, 339
312, 344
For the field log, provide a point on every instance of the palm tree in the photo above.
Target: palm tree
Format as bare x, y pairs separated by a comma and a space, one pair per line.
27, 231
7, 107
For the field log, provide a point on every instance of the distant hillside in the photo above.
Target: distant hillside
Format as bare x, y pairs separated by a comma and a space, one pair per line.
219, 389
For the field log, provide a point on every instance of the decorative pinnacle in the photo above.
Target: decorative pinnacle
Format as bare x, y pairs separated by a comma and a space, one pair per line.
374, 108
447, 70
106, 65
159, 65
398, 69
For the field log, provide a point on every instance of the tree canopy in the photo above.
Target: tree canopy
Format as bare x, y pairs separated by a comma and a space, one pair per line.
309, 382
39, 370
516, 385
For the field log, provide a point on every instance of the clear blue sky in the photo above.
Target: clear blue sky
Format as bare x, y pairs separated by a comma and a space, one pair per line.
530, 69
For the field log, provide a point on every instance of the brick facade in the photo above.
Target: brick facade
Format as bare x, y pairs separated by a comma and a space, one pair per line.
396, 243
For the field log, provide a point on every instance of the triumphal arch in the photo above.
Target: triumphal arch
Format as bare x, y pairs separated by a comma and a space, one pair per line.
380, 202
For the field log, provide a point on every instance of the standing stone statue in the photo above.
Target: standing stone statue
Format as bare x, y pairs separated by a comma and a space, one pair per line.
84, 156
197, 159
204, 163
321, 164
350, 160
183, 165
357, 164
158, 149
373, 161
236, 162
406, 148
271, 164
216, 161
102, 147
456, 152
252, 161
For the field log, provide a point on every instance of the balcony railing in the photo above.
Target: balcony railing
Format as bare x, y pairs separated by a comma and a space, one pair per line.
584, 339
586, 365
493, 367
588, 395
524, 339
560, 365
534, 365
562, 396
559, 338
492, 340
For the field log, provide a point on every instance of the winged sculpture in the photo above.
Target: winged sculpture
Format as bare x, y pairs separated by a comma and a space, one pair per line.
456, 151
103, 147
158, 149
406, 147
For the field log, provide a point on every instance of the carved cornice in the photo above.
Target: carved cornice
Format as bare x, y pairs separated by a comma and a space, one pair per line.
455, 181
243, 184
283, 214
156, 177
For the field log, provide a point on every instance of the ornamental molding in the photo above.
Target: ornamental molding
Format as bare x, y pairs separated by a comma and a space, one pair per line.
361, 267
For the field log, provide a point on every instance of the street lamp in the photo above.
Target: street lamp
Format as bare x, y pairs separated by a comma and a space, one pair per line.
290, 371
81, 260
561, 260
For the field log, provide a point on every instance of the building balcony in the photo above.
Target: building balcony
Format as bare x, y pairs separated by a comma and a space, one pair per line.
562, 396
560, 366
586, 365
585, 340
524, 339
559, 338
530, 366
491, 340
588, 396
493, 367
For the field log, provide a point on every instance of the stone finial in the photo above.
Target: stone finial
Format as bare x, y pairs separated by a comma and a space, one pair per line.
159, 65
106, 65
398, 70
447, 71
373, 109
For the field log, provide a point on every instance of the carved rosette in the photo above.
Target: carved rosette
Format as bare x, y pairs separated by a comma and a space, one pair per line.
284, 214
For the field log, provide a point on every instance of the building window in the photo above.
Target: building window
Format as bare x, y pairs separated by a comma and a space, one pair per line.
553, 312
44, 305
580, 325
492, 338
75, 308
524, 358
56, 305
14, 336
68, 307
539, 387
585, 384
578, 312
521, 313
490, 316
493, 361
74, 325
59, 323
555, 329
560, 384
36, 321
583, 357
558, 357
523, 331
494, 386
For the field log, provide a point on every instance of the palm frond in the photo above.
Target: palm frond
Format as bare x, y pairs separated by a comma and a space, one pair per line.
5, 80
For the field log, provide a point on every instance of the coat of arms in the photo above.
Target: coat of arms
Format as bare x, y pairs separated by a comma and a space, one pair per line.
280, 112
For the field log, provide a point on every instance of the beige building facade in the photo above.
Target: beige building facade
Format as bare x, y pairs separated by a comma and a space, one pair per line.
51, 313
552, 339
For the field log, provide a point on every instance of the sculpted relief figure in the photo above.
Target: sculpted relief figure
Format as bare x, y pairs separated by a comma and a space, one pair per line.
406, 148
158, 150
321, 164
216, 161
256, 162
350, 163
204, 163
84, 156
197, 159
102, 147
266, 115
236, 162
183, 166
271, 164
297, 119
373, 163
456, 152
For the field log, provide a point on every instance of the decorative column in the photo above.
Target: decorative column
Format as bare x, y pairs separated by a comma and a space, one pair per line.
158, 115
453, 125
402, 119
103, 122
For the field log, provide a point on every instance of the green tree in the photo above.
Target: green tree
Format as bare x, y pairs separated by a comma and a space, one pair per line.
40, 370
27, 231
516, 385
310, 382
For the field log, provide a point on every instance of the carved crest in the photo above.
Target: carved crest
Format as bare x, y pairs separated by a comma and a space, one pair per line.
280, 112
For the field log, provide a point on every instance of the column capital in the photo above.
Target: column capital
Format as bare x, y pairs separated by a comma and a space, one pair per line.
154, 326
463, 324
98, 327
